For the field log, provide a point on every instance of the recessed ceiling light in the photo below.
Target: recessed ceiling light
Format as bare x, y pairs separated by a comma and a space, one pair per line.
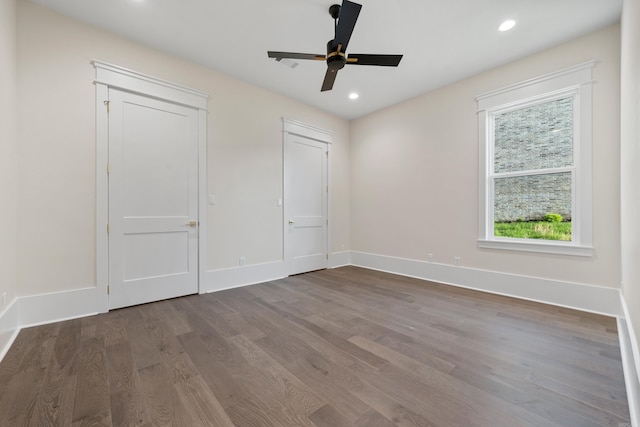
507, 25
353, 95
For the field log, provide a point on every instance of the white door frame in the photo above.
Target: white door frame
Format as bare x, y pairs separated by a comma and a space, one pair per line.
113, 76
308, 131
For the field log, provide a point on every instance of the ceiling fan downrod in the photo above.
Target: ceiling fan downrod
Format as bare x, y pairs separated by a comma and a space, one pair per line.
334, 11
336, 59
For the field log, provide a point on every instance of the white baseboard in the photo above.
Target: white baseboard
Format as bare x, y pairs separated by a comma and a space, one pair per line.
9, 327
229, 278
339, 259
595, 299
630, 362
42, 309
55, 307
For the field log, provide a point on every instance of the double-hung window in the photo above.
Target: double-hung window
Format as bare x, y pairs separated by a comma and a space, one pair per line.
535, 164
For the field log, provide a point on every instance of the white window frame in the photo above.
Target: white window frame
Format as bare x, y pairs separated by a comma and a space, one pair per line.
574, 81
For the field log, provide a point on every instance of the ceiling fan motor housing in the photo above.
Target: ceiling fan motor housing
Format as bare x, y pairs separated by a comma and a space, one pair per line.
336, 60
334, 11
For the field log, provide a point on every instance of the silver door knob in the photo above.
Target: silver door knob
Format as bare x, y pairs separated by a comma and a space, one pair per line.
291, 221
192, 223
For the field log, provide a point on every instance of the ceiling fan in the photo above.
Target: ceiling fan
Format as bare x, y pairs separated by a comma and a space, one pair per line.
345, 18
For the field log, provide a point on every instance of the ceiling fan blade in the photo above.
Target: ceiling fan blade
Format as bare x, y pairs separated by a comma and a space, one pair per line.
329, 79
382, 60
346, 22
294, 55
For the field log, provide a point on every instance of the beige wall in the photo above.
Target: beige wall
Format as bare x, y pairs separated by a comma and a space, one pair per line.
8, 150
413, 167
57, 153
414, 176
630, 161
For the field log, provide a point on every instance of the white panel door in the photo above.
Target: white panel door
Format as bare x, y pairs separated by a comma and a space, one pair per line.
305, 180
153, 199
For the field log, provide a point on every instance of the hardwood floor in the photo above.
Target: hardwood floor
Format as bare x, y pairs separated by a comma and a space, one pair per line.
343, 347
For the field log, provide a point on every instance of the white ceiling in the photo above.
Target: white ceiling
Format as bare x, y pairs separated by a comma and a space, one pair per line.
442, 40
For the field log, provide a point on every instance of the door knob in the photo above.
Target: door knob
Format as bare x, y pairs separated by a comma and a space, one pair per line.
291, 221
192, 223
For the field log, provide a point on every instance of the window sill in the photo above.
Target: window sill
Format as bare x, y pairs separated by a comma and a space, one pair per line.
537, 246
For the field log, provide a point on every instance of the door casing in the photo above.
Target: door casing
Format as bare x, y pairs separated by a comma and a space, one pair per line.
292, 127
113, 76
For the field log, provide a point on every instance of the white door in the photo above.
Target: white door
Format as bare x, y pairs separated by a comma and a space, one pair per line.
305, 202
153, 199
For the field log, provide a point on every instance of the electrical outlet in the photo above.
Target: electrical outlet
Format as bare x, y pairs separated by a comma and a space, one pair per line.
456, 260
242, 261
429, 257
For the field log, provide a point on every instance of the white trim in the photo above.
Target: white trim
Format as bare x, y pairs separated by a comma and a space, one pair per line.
556, 80
630, 373
308, 131
122, 78
573, 81
630, 361
329, 205
202, 199
102, 198
113, 76
229, 278
42, 309
9, 327
522, 173
339, 259
58, 306
293, 127
590, 298
633, 336
539, 246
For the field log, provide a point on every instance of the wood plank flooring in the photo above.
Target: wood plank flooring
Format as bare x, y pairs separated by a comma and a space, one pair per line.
343, 347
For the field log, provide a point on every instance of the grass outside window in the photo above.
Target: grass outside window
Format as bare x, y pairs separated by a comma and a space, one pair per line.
534, 230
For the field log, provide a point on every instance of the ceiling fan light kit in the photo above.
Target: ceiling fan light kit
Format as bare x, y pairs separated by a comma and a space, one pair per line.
345, 18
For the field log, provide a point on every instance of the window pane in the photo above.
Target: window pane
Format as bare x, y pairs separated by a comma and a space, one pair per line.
536, 137
521, 201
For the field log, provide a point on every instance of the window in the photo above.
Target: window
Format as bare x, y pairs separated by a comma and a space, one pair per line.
535, 164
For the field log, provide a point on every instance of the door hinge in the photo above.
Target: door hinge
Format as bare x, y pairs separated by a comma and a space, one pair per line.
327, 222
327, 256
108, 290
108, 168
108, 228
327, 153
108, 104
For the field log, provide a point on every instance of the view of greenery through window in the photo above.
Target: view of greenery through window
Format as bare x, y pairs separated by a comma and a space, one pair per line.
533, 171
534, 230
